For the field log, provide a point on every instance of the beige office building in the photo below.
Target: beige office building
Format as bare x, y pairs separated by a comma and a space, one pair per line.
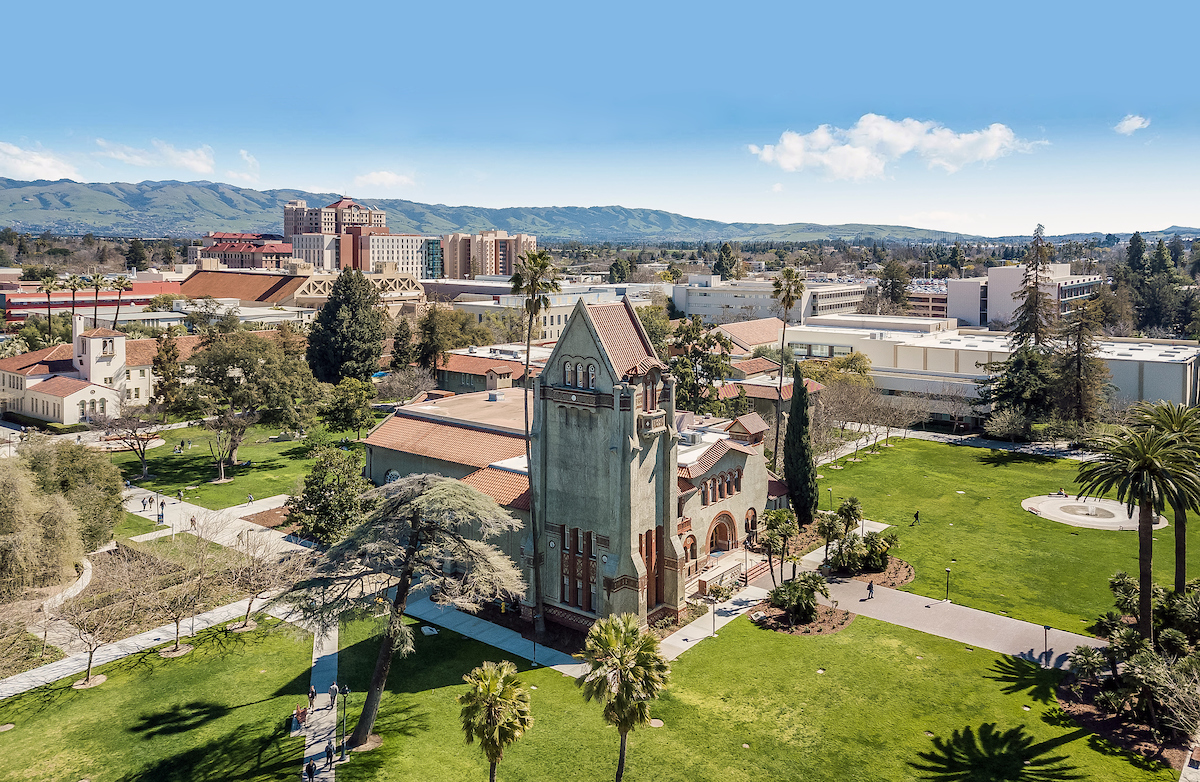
490, 252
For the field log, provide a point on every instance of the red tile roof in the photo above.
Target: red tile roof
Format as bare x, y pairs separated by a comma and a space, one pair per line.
56, 359
246, 247
509, 489
756, 391
446, 441
141, 352
479, 365
247, 286
62, 387
713, 455
776, 487
623, 338
101, 332
752, 333
751, 422
241, 237
683, 483
755, 366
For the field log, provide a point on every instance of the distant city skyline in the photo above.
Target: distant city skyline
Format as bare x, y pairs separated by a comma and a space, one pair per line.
951, 118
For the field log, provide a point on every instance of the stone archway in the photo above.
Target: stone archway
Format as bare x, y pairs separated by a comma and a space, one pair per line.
722, 535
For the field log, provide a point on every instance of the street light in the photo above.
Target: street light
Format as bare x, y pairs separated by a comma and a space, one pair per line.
712, 599
1046, 642
830, 499
345, 694
535, 618
947, 585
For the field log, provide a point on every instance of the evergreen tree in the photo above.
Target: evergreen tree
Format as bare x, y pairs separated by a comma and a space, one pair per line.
1082, 374
1176, 248
893, 283
1161, 262
620, 270
333, 499
799, 466
1033, 320
403, 353
1135, 254
434, 341
726, 260
1024, 383
349, 406
136, 257
346, 339
168, 384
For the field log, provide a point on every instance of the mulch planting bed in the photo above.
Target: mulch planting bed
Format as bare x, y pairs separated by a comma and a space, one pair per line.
1132, 737
275, 518
898, 573
828, 620
562, 639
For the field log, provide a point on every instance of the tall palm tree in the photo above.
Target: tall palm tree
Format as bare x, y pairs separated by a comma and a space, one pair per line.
49, 285
1145, 469
74, 284
1185, 422
534, 278
788, 289
495, 710
98, 284
625, 672
120, 285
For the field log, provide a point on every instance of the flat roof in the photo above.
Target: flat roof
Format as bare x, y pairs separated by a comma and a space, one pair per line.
506, 414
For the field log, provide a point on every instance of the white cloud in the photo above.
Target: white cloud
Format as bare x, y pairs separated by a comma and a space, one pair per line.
777, 187
250, 174
164, 155
864, 150
384, 179
1131, 124
18, 163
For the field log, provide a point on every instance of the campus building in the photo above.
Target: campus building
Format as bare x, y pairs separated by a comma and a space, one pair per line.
977, 301
714, 300
336, 218
490, 252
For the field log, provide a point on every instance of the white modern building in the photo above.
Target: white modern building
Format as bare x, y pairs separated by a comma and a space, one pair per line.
714, 300
977, 301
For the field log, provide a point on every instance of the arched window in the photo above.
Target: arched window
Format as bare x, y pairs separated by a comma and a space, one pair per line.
568, 374
703, 489
720, 479
729, 485
579, 375
737, 480
591, 377
82, 408
102, 407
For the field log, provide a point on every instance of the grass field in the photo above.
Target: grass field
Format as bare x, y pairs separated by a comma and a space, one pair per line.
1002, 559
275, 467
867, 717
132, 525
216, 713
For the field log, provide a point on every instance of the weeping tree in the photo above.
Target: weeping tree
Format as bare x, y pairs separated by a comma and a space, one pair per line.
426, 532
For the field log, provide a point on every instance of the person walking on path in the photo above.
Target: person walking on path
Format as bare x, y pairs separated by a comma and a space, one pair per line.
311, 770
328, 754
312, 693
916, 519
871, 590
249, 498
181, 495
333, 693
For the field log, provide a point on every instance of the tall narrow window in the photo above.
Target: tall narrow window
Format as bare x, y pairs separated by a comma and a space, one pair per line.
579, 374
591, 377
568, 374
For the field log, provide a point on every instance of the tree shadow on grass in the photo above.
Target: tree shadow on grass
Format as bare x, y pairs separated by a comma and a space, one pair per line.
1020, 675
1009, 458
242, 754
992, 755
180, 718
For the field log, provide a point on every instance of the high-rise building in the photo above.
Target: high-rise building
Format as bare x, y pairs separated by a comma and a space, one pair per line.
299, 218
489, 252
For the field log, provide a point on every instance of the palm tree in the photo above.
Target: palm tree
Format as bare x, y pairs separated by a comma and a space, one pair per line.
120, 285
74, 284
625, 672
49, 285
495, 710
98, 284
1185, 422
788, 288
534, 278
1144, 469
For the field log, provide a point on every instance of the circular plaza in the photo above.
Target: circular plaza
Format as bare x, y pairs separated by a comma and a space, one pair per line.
1090, 512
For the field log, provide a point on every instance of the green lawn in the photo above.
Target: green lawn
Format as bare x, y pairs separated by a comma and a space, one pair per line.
867, 716
132, 525
1002, 558
216, 713
275, 467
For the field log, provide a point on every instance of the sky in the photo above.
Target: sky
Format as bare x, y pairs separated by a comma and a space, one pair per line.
976, 118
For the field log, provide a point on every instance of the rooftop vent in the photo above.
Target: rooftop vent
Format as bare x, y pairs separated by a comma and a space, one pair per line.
472, 349
495, 396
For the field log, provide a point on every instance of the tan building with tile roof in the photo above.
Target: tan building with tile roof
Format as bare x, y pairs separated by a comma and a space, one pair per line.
750, 334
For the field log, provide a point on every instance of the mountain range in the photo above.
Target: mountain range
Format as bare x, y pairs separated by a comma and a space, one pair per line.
190, 209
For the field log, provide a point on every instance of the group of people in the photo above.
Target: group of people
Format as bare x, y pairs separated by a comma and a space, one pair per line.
310, 769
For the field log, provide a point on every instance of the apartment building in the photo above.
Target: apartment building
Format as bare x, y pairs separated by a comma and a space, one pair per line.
491, 252
299, 218
244, 255
420, 256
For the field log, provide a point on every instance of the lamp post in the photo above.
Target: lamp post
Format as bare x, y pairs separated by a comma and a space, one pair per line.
947, 585
345, 694
1046, 642
830, 499
712, 599
534, 662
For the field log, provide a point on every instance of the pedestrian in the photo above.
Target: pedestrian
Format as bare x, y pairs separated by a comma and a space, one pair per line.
78, 439
333, 691
162, 507
193, 526
144, 504
871, 590
916, 519
312, 696
249, 498
311, 770
181, 442
189, 445
328, 754
181, 495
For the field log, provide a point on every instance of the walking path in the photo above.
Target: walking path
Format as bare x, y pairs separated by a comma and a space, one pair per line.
226, 527
970, 440
691, 634
321, 727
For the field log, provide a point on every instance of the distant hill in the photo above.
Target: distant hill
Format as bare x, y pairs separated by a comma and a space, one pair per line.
171, 208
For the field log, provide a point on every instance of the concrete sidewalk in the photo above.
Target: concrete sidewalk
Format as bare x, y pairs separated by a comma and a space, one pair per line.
494, 635
226, 526
691, 634
321, 727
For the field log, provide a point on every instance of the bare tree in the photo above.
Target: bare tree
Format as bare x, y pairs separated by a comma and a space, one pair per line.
96, 620
952, 401
176, 604
262, 572
404, 384
131, 429
203, 557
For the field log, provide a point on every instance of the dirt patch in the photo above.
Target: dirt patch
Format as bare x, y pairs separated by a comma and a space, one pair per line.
275, 518
87, 684
374, 741
1131, 737
828, 620
173, 652
898, 573
244, 628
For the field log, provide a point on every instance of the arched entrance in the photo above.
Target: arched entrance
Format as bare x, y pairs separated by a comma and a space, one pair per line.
721, 535
751, 527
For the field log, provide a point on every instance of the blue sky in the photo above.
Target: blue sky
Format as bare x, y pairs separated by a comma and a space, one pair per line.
979, 118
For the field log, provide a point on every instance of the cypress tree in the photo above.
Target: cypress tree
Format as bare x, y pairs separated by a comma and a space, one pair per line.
347, 336
799, 466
